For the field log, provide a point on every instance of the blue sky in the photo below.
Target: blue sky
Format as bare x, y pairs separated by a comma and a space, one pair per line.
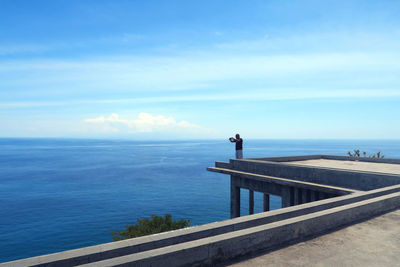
200, 69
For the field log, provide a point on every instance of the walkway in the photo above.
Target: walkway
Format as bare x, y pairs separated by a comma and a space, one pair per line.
375, 242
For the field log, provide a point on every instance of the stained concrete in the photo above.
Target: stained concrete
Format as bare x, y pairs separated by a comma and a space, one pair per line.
350, 165
274, 184
350, 179
375, 242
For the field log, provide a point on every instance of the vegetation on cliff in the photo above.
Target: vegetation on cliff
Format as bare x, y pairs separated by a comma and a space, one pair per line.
154, 225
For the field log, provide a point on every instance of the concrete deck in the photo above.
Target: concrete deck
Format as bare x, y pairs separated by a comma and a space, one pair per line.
350, 165
375, 242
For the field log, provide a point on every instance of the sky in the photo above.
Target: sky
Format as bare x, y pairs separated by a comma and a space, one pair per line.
200, 69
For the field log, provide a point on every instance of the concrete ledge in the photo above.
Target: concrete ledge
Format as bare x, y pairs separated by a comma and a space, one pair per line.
357, 180
346, 158
289, 158
220, 164
211, 250
362, 159
287, 182
141, 244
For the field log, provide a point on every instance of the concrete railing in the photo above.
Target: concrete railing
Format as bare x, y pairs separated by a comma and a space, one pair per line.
211, 250
358, 180
332, 157
335, 190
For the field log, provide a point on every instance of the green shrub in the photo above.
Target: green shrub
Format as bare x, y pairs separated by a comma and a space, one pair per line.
154, 225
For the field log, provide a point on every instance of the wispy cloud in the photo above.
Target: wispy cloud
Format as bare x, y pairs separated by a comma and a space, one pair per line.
328, 72
144, 123
259, 95
34, 48
23, 48
328, 61
317, 42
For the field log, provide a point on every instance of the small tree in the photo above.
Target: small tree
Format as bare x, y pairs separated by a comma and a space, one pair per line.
154, 225
356, 154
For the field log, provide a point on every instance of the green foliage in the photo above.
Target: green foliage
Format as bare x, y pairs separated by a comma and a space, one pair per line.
154, 225
356, 154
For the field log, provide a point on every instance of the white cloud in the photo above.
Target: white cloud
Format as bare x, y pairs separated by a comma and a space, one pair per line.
144, 123
112, 118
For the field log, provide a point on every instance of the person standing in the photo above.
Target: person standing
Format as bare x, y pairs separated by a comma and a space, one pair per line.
239, 145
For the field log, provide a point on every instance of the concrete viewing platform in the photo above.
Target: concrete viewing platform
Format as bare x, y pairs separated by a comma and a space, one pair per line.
375, 242
351, 165
335, 211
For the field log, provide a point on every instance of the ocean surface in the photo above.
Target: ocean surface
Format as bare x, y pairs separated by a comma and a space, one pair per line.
60, 194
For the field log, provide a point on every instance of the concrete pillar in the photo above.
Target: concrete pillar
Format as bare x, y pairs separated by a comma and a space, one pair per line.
251, 202
286, 197
297, 196
304, 196
266, 202
291, 195
308, 196
235, 198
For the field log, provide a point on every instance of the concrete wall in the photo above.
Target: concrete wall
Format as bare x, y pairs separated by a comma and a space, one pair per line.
275, 185
362, 159
212, 250
333, 157
342, 178
288, 159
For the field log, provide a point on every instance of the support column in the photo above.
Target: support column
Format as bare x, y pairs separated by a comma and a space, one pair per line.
251, 202
297, 195
235, 198
304, 196
301, 193
291, 189
266, 202
286, 197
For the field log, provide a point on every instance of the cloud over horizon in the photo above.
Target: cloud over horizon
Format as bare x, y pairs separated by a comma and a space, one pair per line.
144, 123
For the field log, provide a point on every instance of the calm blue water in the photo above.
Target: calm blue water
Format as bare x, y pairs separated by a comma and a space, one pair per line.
59, 194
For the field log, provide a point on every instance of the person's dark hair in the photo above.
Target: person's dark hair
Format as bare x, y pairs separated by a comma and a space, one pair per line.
237, 135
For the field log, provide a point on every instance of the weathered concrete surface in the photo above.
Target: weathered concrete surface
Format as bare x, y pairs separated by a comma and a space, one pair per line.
274, 184
375, 242
125, 247
334, 157
220, 248
350, 179
350, 165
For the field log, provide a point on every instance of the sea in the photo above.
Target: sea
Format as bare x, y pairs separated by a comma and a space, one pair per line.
61, 194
